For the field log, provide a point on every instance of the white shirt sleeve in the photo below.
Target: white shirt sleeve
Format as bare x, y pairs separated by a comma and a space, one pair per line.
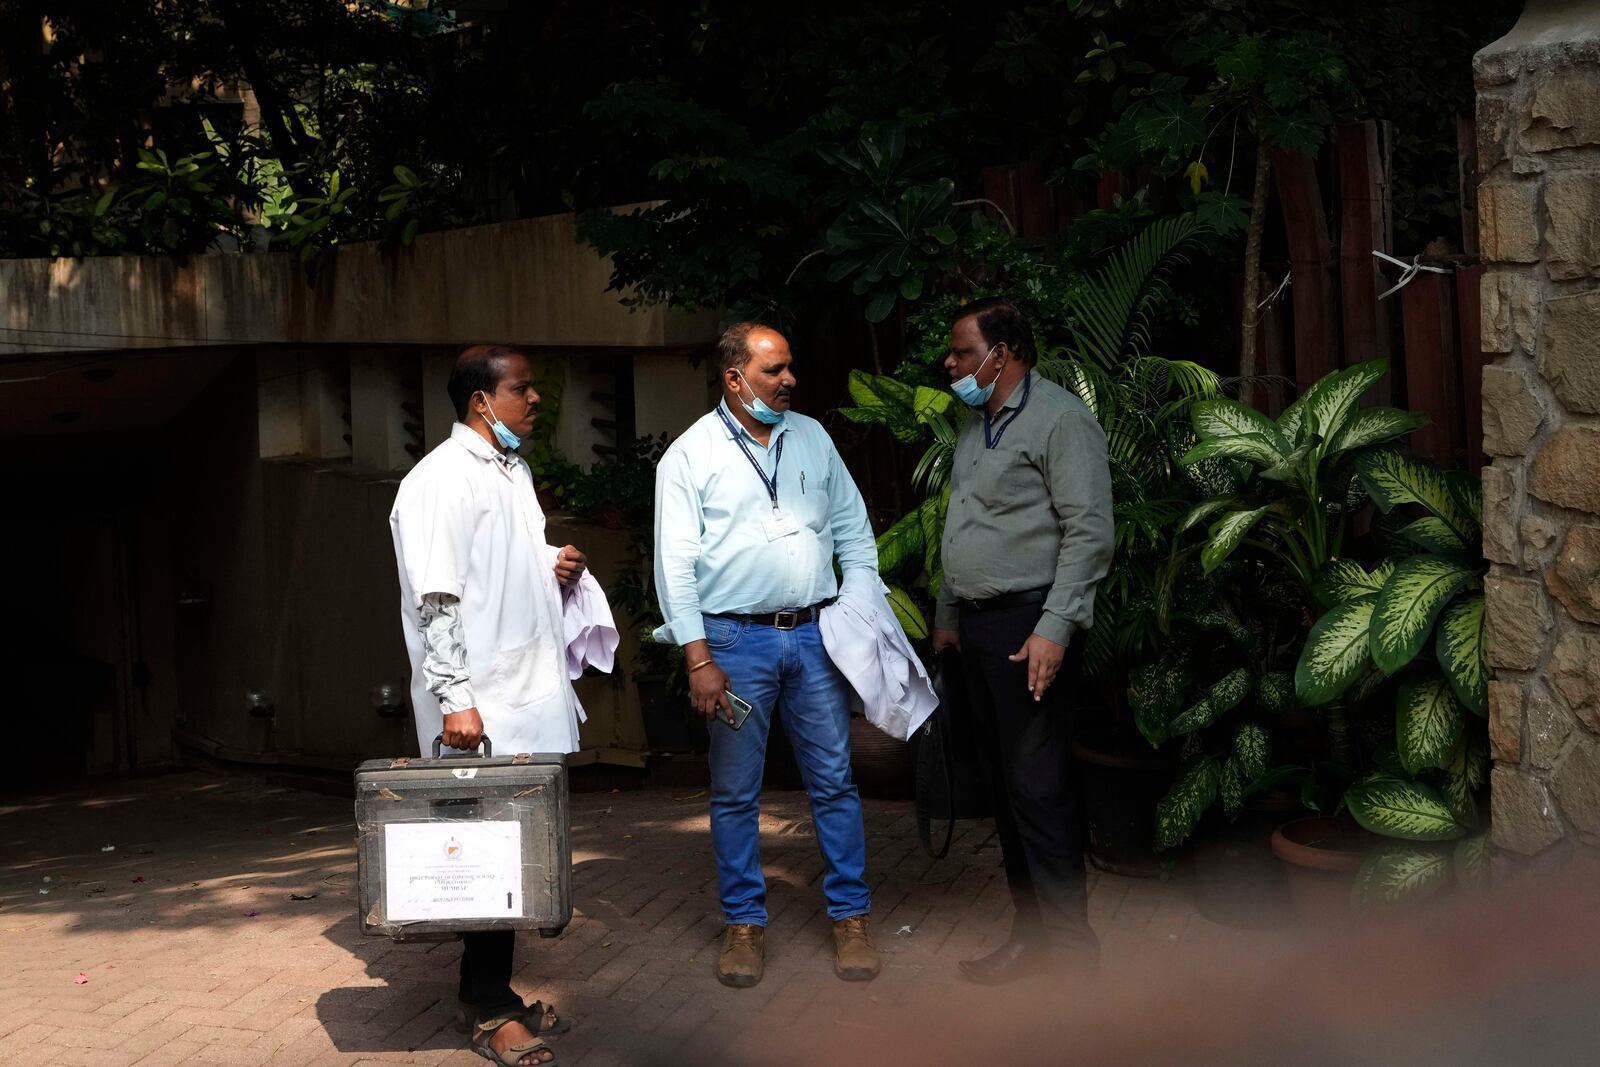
433, 535
853, 542
678, 533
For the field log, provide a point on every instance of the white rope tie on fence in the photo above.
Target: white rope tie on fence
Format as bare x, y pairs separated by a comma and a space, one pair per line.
1408, 271
1272, 296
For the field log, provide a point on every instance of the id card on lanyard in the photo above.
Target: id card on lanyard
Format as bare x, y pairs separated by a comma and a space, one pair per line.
780, 523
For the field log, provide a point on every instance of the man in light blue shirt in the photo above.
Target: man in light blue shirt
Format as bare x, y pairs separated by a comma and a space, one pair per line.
753, 504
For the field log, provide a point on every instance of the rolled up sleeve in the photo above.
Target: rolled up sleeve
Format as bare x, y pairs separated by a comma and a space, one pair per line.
1079, 476
678, 534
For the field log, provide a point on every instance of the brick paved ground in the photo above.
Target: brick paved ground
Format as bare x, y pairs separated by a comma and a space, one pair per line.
195, 952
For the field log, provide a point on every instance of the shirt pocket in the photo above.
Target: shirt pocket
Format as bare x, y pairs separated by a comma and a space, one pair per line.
1006, 480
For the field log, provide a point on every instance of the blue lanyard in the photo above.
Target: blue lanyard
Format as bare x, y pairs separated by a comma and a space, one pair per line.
777, 457
991, 442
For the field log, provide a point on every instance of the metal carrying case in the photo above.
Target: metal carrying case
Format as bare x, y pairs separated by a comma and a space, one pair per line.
461, 843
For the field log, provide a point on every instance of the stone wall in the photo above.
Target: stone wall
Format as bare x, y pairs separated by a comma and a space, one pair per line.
1539, 203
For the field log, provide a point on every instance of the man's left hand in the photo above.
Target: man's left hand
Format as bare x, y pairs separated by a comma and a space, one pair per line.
1043, 657
570, 564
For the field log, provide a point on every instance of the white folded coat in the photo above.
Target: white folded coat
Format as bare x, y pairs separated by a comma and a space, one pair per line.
588, 626
865, 641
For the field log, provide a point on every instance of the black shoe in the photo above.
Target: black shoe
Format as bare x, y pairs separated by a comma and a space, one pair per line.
1008, 963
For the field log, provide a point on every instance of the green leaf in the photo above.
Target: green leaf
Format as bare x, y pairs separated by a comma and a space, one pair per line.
1275, 692
1372, 426
1251, 446
1224, 695
1459, 647
1343, 580
1179, 811
927, 403
1336, 651
1455, 785
910, 616
1155, 693
1433, 534
1396, 875
1411, 600
1428, 723
881, 304
1204, 510
1231, 788
1473, 859
1392, 479
1222, 417
1395, 807
1227, 534
1252, 748
1331, 399
900, 544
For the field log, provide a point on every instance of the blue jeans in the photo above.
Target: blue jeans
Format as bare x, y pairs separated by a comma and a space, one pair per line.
789, 668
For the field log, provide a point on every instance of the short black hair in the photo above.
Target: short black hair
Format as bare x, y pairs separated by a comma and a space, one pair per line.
1002, 322
733, 349
479, 368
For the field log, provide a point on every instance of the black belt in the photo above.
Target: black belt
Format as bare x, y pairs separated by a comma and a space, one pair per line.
1006, 600
784, 620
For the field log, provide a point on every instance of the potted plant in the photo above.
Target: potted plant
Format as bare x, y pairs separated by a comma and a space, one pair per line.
1411, 624
1284, 492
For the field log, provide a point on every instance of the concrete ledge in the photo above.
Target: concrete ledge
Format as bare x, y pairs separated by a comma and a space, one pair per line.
530, 282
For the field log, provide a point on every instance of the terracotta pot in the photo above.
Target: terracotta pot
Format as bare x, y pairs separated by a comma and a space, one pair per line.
1321, 857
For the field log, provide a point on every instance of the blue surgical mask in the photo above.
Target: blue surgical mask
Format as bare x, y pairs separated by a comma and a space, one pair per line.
967, 389
508, 440
758, 410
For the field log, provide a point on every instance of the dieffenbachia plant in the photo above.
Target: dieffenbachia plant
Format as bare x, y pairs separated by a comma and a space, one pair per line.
1416, 617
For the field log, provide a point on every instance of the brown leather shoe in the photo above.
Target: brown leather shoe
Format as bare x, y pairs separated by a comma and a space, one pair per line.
854, 957
743, 949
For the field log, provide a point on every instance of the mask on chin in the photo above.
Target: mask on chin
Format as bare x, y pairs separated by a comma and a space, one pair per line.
758, 409
967, 389
508, 440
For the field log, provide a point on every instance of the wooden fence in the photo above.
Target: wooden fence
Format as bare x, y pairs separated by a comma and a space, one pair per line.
1331, 213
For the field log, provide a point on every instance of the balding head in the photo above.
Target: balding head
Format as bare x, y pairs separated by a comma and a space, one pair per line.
479, 368
742, 341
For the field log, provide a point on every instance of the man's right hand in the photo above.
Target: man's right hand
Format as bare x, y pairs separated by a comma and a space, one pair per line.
943, 639
463, 729
708, 686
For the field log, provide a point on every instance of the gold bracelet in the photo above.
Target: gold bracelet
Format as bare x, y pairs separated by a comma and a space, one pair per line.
702, 663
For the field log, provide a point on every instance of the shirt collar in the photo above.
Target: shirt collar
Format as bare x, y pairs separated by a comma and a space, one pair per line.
739, 427
473, 442
1014, 398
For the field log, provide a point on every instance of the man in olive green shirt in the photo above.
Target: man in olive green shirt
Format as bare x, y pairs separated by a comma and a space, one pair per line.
1026, 543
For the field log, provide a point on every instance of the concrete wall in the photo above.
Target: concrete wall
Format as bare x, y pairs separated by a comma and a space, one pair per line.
1539, 154
293, 564
530, 280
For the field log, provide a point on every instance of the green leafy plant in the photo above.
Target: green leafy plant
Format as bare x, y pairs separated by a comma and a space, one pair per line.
1290, 483
1220, 684
1416, 617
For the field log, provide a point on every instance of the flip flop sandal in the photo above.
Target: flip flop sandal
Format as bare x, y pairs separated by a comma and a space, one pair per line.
484, 1032
539, 1017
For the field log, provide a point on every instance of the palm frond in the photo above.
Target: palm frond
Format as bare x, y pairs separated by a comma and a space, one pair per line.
1111, 311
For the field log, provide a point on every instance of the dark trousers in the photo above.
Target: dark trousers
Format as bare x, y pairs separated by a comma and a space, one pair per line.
1025, 750
486, 973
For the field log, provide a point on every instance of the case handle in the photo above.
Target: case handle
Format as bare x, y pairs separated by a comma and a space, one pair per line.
483, 740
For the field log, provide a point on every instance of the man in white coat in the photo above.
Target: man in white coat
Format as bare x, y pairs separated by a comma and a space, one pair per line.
481, 604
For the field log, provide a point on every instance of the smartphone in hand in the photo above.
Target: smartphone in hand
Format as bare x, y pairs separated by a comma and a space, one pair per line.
738, 709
